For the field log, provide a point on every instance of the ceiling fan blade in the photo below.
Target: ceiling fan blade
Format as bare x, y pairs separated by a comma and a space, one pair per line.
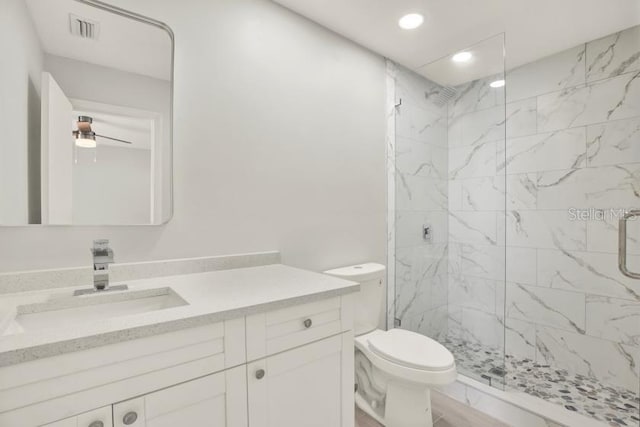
114, 139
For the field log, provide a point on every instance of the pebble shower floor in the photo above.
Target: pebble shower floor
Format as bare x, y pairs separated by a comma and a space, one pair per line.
614, 405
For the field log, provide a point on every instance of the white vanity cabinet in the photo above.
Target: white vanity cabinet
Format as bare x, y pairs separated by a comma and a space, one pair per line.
308, 386
101, 417
287, 367
214, 400
300, 370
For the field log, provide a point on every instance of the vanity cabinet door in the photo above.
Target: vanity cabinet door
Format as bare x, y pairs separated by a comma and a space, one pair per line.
217, 400
97, 418
310, 386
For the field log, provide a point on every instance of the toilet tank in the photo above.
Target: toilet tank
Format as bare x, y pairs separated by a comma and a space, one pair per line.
369, 301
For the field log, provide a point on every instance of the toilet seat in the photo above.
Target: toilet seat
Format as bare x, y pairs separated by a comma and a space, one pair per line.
400, 370
411, 350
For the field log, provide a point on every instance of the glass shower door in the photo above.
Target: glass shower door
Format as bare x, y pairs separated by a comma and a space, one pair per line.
573, 171
450, 203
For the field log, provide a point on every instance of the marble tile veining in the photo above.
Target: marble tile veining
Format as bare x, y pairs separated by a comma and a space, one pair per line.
614, 55
550, 74
612, 99
613, 143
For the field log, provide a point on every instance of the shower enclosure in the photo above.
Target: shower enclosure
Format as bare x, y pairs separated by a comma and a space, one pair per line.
506, 187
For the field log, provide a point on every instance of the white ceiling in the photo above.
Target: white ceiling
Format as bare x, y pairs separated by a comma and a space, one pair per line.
123, 43
533, 28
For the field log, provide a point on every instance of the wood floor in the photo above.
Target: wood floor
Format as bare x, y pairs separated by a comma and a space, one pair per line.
447, 413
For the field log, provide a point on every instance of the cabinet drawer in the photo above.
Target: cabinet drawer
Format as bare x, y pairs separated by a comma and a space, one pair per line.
98, 417
276, 331
36, 392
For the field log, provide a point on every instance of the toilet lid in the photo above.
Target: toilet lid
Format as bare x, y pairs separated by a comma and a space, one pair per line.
412, 350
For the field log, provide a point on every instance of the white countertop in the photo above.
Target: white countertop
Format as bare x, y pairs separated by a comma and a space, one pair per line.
211, 297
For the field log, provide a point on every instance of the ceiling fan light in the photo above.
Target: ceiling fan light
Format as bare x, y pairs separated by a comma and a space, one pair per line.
85, 139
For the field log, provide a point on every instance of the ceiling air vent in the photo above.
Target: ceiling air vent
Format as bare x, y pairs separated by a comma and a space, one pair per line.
84, 28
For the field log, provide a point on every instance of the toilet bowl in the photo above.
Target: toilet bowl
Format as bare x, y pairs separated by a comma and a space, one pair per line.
403, 367
395, 369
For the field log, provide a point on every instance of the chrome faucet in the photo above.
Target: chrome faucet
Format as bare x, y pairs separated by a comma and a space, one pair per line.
102, 258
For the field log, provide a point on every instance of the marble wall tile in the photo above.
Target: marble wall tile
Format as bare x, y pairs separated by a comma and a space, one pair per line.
419, 177
608, 187
390, 141
607, 361
613, 319
482, 327
614, 55
520, 338
488, 261
454, 257
417, 90
614, 143
483, 194
472, 292
454, 322
546, 306
421, 125
455, 195
420, 193
522, 265
410, 223
432, 323
414, 298
560, 150
473, 161
601, 101
421, 278
415, 263
589, 272
522, 117
545, 229
421, 159
549, 74
473, 227
522, 191
477, 128
475, 96
483, 261
602, 234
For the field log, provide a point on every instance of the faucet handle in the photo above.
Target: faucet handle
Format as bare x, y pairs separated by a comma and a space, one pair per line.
101, 247
102, 254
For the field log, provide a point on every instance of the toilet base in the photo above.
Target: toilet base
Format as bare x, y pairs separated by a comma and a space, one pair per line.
408, 405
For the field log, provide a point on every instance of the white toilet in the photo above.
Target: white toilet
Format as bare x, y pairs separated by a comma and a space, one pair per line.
394, 369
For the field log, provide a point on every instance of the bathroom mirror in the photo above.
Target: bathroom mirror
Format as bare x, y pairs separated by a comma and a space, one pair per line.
85, 115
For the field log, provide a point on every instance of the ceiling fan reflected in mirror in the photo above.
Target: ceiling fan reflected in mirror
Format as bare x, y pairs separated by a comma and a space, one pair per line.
85, 136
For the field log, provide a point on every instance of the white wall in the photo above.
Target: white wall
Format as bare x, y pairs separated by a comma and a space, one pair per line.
114, 189
279, 144
19, 90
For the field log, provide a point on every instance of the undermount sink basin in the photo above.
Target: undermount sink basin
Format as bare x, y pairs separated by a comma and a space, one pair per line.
65, 312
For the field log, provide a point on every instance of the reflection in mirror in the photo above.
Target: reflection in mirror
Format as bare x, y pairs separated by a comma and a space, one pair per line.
85, 115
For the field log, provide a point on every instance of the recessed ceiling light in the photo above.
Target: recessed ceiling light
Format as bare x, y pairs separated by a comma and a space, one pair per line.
462, 57
411, 21
497, 84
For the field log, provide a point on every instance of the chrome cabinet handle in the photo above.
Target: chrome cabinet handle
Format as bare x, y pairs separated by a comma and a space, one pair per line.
622, 244
96, 424
308, 323
129, 418
260, 374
